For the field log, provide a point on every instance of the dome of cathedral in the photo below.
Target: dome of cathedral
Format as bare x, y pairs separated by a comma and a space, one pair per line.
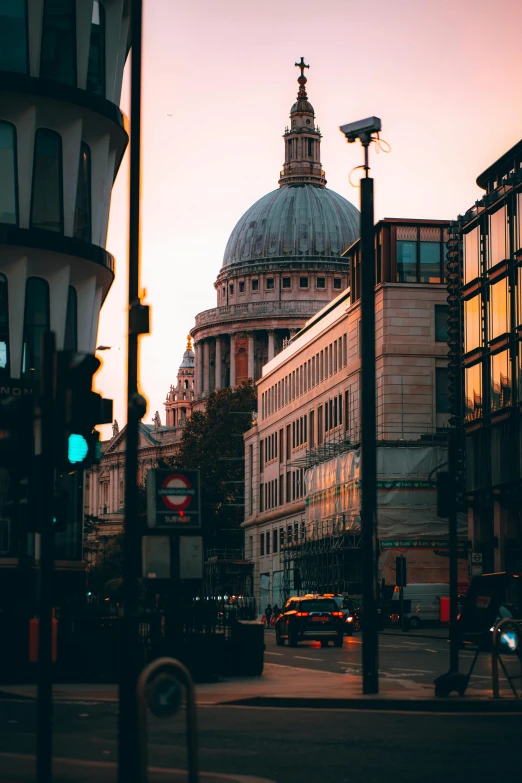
294, 222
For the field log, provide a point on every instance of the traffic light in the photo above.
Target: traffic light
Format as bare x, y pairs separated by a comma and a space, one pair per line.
443, 494
17, 433
78, 411
400, 571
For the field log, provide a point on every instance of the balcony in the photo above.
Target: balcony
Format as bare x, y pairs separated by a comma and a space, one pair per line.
253, 310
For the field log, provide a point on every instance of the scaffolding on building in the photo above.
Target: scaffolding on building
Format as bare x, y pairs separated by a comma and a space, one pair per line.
326, 558
228, 573
329, 561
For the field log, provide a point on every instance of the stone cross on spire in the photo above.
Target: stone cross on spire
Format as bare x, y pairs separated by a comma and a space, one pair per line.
302, 79
302, 65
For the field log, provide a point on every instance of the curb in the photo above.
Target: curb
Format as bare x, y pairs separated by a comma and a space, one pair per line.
410, 635
454, 705
163, 773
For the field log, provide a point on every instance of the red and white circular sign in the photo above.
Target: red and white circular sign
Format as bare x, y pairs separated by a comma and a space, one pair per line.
176, 492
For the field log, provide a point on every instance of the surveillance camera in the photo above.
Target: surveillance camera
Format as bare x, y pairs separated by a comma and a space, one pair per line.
362, 129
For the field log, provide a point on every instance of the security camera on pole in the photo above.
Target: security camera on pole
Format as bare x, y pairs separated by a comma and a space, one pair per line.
364, 130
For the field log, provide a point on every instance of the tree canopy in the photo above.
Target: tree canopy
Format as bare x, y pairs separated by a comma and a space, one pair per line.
213, 442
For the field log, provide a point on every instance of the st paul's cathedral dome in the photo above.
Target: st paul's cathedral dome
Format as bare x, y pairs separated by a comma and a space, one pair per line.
282, 262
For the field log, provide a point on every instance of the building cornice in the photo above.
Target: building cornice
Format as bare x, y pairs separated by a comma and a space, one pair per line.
39, 239
65, 93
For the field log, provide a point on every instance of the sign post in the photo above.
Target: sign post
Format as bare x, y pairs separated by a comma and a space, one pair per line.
173, 500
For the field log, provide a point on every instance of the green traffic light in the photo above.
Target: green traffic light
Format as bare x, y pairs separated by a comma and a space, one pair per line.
77, 449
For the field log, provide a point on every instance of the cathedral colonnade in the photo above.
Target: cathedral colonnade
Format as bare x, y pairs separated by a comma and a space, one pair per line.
230, 358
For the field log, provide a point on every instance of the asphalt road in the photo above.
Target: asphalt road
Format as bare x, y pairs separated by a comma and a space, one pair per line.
293, 746
401, 656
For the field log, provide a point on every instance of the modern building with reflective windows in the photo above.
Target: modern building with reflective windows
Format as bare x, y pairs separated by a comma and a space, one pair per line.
62, 138
282, 263
488, 361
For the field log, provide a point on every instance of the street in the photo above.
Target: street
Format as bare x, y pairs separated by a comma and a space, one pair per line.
291, 746
402, 656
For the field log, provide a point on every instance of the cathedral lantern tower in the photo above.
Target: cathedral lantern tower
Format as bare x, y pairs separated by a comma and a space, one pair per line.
302, 141
178, 405
282, 263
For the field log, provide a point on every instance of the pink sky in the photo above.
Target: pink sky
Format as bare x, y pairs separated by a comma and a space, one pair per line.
444, 77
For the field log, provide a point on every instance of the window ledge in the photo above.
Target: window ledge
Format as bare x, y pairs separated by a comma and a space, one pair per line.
474, 424
502, 414
471, 288
498, 271
499, 342
473, 356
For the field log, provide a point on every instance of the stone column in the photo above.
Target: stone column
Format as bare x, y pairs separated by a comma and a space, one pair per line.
206, 367
251, 348
198, 349
218, 368
232, 359
271, 347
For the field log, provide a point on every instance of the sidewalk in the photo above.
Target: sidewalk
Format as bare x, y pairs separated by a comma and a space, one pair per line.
284, 686
18, 768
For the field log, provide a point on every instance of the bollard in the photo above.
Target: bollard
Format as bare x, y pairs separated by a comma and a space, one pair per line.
162, 677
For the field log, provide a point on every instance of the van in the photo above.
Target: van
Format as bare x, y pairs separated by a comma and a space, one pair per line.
425, 602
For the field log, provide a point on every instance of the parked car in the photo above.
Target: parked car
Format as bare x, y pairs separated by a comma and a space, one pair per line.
310, 618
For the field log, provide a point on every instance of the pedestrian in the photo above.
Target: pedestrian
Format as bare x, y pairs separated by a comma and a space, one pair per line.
268, 615
277, 611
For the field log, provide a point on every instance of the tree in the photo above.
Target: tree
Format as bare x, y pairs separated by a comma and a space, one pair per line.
213, 442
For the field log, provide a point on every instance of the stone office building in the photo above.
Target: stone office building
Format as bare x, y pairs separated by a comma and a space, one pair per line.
487, 357
302, 457
283, 263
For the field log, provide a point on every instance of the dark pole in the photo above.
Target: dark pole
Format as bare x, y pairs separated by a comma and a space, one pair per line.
453, 555
128, 745
370, 663
44, 732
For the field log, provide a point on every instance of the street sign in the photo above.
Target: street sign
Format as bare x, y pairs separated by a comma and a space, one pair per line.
173, 499
164, 696
476, 557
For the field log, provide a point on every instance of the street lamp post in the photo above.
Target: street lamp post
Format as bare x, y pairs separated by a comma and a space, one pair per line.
129, 762
364, 130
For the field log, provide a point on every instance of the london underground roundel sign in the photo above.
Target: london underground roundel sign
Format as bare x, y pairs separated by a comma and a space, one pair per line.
176, 491
173, 499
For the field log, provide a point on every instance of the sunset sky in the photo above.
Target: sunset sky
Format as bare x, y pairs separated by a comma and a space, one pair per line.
444, 77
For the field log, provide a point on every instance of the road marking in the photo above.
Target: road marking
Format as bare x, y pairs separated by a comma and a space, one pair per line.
428, 650
272, 653
403, 669
307, 658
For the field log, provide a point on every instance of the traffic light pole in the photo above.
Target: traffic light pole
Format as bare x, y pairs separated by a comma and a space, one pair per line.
129, 762
370, 647
44, 732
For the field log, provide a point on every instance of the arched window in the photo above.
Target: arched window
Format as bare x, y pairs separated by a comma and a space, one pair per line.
4, 327
36, 322
46, 206
96, 69
8, 205
82, 212
13, 36
71, 321
58, 60
121, 493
